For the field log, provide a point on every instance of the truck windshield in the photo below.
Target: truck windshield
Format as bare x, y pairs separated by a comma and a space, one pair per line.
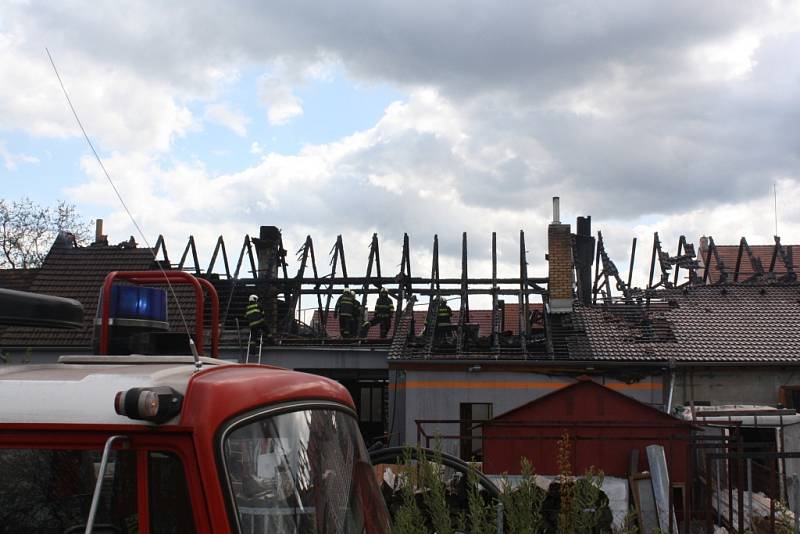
304, 471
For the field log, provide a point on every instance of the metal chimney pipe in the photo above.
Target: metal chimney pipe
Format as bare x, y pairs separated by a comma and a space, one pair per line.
556, 211
98, 231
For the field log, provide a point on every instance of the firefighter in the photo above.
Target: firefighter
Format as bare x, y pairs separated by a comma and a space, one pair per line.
443, 316
345, 311
443, 313
384, 309
255, 319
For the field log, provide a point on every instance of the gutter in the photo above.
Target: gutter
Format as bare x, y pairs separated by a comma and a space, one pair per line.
589, 365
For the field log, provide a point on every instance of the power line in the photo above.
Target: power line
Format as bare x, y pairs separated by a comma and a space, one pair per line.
125, 206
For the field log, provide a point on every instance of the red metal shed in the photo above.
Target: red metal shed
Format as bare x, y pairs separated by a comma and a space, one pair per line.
604, 427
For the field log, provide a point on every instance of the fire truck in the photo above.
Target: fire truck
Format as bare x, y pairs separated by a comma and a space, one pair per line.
114, 443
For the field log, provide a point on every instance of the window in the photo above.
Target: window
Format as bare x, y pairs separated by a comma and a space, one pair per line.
170, 507
370, 408
46, 490
789, 396
303, 471
472, 414
50, 490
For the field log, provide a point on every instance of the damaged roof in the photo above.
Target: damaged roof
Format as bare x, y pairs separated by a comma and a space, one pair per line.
731, 323
763, 253
76, 273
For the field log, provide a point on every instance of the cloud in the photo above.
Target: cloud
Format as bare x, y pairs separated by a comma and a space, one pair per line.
631, 111
282, 104
12, 161
225, 115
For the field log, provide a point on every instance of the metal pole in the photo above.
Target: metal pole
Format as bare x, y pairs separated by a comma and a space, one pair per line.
495, 337
750, 489
99, 484
784, 490
796, 506
239, 337
718, 483
709, 497
499, 517
739, 479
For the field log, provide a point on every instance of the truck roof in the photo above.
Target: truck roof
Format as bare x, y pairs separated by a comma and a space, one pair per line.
82, 389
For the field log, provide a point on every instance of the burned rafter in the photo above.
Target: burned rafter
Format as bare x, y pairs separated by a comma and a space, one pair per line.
664, 264
435, 264
161, 245
496, 318
403, 279
336, 252
463, 316
755, 262
267, 273
374, 258
686, 259
722, 271
294, 299
631, 262
609, 270
786, 257
220, 246
190, 246
524, 326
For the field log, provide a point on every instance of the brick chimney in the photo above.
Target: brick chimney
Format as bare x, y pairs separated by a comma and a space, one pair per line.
267, 249
561, 265
99, 237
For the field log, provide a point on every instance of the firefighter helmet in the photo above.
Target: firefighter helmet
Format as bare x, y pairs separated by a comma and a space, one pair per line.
253, 298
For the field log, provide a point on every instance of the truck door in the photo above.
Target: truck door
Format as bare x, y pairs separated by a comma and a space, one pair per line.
48, 488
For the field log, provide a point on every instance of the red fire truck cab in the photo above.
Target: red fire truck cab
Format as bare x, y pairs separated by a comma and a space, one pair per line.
154, 444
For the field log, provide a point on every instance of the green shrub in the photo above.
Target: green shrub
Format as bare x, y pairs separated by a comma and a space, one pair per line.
481, 514
522, 505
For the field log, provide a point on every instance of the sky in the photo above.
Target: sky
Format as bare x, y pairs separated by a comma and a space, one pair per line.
425, 118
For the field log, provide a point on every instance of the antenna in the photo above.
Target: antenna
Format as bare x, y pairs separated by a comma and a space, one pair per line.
775, 197
197, 363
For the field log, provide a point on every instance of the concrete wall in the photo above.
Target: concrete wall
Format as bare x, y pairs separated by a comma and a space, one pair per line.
420, 395
725, 385
319, 357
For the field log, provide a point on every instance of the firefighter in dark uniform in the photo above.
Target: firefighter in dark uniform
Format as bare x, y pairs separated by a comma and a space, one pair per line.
384, 309
255, 319
345, 310
443, 316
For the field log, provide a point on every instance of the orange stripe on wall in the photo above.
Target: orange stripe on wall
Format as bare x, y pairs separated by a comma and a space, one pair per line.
494, 384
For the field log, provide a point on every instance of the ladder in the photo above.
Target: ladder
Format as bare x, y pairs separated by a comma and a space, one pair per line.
249, 344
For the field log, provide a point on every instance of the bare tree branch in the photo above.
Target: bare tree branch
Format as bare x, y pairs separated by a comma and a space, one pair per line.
28, 230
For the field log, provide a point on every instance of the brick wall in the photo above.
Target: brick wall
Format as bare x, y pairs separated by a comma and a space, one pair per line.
559, 254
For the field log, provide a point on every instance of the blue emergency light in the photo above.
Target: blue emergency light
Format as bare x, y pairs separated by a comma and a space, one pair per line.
137, 302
